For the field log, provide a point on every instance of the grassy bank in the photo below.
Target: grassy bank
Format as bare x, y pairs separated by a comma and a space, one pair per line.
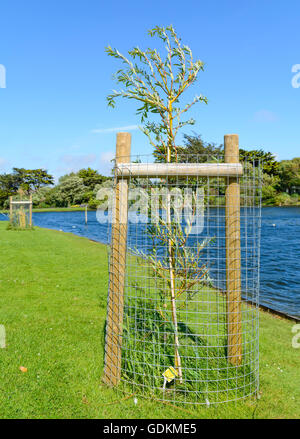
82, 209
59, 209
54, 209
53, 290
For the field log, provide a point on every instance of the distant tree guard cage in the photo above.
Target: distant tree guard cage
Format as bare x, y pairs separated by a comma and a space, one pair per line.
20, 212
182, 317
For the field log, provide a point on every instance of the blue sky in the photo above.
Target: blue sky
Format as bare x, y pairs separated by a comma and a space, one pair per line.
53, 111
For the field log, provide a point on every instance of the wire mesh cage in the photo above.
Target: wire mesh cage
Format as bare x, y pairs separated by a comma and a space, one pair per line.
20, 215
182, 322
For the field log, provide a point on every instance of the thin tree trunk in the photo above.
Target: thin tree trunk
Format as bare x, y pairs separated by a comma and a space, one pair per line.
172, 286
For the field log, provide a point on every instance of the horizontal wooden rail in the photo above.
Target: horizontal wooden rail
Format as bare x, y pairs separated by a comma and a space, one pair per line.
179, 169
21, 202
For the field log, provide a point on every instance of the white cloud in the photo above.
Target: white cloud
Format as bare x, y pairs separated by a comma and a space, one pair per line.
74, 147
78, 160
3, 162
115, 129
107, 156
2, 76
265, 116
72, 163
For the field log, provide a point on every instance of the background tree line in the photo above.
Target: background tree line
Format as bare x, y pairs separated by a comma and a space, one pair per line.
281, 179
76, 188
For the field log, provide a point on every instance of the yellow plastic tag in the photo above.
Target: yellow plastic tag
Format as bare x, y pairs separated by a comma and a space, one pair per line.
170, 374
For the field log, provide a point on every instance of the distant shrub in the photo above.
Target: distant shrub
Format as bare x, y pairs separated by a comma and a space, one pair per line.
268, 194
295, 199
43, 205
93, 203
283, 199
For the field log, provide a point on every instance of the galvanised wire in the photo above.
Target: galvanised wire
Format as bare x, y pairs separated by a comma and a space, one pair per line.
20, 212
198, 247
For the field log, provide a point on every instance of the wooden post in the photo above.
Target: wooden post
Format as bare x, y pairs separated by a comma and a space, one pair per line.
233, 254
30, 211
10, 210
114, 322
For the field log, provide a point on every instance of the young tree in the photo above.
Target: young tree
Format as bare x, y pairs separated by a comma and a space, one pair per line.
157, 82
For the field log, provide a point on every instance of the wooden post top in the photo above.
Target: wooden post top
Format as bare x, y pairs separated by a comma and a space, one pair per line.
123, 147
231, 148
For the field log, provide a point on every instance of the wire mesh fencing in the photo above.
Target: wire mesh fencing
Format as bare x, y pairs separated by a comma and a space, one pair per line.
20, 215
182, 320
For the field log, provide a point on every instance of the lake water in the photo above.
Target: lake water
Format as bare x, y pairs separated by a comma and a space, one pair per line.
280, 249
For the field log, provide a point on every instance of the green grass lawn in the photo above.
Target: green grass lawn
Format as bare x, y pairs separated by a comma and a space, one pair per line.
53, 289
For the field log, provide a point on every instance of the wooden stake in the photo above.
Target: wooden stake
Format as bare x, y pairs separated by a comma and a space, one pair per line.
30, 211
10, 210
114, 323
233, 254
